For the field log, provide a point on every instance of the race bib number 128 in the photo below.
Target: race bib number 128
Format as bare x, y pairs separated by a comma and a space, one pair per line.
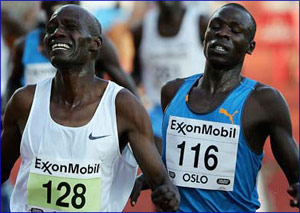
53, 189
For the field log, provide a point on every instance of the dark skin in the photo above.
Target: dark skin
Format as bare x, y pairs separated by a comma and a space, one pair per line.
266, 112
75, 95
107, 61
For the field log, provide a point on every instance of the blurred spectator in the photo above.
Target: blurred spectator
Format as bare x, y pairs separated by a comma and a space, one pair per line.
138, 11
25, 12
11, 28
111, 15
203, 7
114, 21
6, 188
4, 66
168, 45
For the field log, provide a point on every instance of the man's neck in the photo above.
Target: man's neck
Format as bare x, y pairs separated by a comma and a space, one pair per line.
172, 16
218, 80
73, 88
169, 24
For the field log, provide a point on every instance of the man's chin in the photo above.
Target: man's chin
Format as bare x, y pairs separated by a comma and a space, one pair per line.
219, 63
60, 63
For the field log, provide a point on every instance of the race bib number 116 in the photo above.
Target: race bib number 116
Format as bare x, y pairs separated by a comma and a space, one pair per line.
201, 154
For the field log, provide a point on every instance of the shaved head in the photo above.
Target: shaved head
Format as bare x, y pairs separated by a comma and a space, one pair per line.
91, 21
240, 7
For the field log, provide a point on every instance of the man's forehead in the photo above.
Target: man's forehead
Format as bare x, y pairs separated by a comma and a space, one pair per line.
72, 11
69, 13
232, 14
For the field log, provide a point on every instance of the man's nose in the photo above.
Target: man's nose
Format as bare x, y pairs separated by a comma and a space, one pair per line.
59, 31
224, 32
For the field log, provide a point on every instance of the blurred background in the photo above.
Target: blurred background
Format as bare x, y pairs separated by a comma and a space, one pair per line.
275, 62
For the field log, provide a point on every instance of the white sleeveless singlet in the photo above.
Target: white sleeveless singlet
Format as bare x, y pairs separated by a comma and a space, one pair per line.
76, 169
167, 58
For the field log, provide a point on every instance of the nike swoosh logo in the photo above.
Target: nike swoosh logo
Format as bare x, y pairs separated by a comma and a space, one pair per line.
91, 137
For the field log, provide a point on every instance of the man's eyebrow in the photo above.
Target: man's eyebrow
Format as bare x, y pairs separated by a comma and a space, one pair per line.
231, 23
216, 19
65, 21
237, 24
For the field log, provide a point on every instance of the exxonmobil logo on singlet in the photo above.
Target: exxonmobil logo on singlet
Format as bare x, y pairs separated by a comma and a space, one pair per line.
65, 167
207, 129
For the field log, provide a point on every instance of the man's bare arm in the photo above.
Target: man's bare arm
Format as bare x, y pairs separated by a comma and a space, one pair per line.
134, 122
15, 118
267, 114
283, 144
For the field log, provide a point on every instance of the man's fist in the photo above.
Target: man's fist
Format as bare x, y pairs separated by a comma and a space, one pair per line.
166, 198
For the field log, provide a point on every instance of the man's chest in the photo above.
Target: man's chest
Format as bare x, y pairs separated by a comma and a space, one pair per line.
73, 116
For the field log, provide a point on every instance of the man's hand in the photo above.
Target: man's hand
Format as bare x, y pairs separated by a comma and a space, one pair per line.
293, 190
139, 185
166, 198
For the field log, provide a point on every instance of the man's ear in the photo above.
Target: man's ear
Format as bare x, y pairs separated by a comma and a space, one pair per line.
251, 47
96, 43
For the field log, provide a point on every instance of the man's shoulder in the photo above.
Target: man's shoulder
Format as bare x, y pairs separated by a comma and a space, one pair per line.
126, 99
23, 97
130, 111
263, 92
173, 85
20, 103
266, 100
169, 90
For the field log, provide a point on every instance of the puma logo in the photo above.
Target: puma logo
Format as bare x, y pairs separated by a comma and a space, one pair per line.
223, 111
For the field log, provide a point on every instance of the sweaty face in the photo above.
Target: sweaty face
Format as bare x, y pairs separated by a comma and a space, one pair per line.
67, 37
228, 36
